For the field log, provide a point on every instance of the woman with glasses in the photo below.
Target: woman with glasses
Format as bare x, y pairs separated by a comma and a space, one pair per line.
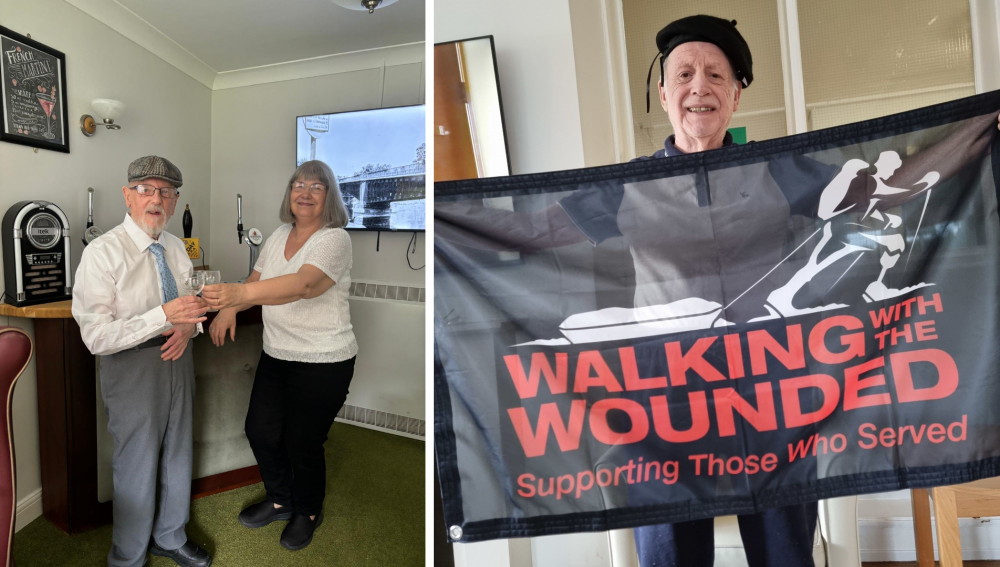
301, 279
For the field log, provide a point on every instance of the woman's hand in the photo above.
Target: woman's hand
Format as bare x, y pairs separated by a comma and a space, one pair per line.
224, 321
223, 295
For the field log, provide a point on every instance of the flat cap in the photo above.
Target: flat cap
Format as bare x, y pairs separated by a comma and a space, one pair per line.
154, 167
722, 33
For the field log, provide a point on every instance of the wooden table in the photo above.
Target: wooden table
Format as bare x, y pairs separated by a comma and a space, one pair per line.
67, 416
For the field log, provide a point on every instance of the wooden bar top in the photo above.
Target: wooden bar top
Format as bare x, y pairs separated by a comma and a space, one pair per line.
54, 310
58, 309
63, 310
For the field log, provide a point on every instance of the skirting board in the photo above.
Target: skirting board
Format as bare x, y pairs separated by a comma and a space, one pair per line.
28, 509
890, 538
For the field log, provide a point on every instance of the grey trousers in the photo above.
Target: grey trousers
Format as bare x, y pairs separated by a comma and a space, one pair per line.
149, 405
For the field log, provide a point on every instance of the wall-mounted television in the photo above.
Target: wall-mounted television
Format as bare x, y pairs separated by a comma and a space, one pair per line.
379, 157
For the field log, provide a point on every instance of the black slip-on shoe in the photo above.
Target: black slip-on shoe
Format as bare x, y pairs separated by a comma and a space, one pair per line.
188, 555
263, 513
299, 532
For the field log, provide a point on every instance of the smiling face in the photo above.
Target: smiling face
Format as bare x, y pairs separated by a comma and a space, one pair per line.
152, 212
307, 205
700, 94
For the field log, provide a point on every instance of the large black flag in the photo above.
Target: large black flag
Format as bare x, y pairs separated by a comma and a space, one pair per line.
721, 332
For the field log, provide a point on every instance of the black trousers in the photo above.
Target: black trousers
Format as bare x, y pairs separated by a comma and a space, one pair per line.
292, 407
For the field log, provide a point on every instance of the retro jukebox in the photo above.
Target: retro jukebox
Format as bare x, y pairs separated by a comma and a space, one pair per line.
36, 254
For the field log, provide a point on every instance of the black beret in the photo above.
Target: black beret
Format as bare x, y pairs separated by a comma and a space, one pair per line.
149, 167
709, 29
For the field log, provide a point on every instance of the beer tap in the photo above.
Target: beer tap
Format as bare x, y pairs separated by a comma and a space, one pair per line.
90, 232
254, 236
239, 217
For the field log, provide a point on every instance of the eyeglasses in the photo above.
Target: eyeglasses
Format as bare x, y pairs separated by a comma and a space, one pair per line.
148, 191
314, 188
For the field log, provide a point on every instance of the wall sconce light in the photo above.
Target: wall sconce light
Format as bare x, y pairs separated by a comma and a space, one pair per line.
108, 110
369, 5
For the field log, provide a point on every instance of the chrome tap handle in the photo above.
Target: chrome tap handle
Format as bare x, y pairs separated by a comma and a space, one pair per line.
239, 217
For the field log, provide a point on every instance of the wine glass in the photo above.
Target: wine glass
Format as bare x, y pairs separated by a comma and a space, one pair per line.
212, 277
193, 283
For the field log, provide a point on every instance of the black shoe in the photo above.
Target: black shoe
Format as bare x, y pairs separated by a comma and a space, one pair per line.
187, 555
263, 513
299, 532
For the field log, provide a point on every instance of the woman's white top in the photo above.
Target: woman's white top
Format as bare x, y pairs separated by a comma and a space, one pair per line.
317, 329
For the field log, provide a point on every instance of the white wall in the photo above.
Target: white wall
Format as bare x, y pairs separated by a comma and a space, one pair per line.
168, 114
598, 39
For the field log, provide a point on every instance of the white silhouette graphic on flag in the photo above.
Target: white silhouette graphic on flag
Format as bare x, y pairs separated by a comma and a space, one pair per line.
876, 229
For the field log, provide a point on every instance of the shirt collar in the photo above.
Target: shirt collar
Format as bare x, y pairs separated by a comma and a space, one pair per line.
138, 236
671, 150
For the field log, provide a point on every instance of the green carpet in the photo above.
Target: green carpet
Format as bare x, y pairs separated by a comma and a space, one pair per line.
373, 516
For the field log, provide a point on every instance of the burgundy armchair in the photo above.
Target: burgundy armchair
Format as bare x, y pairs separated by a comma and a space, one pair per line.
15, 352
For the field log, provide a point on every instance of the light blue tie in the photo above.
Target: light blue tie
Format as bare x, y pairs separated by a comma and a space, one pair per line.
166, 277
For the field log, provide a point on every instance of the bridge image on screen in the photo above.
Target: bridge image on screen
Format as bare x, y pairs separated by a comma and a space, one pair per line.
379, 157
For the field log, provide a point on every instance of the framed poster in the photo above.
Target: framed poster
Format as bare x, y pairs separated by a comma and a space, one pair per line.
32, 93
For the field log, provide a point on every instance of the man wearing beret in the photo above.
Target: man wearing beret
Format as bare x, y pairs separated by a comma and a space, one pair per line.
704, 66
130, 316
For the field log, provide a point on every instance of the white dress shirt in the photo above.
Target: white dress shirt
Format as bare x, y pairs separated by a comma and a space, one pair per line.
117, 299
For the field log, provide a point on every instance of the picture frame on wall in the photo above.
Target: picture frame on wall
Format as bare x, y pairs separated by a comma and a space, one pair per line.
32, 93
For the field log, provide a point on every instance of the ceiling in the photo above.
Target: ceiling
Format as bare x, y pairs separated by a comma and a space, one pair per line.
233, 35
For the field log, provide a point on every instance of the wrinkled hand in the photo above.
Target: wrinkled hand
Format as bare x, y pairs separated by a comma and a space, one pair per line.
224, 321
185, 310
177, 341
223, 295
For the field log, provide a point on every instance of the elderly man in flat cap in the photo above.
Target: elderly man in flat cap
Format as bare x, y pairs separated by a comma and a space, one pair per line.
130, 316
